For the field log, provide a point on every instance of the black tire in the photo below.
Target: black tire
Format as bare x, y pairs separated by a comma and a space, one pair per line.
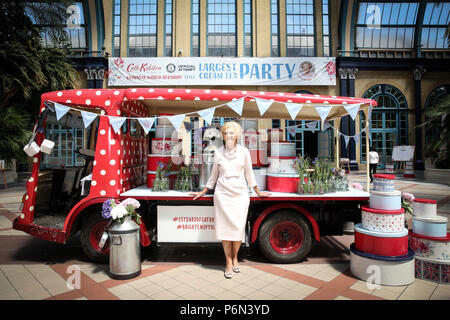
285, 237
91, 230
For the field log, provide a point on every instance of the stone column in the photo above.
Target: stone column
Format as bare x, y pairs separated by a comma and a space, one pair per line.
95, 76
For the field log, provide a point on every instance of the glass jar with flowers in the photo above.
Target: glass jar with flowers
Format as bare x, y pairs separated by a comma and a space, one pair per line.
161, 182
184, 180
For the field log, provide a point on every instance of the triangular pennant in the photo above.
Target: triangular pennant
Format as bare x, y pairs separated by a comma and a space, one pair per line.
60, 110
346, 138
116, 122
88, 117
352, 109
237, 105
323, 112
326, 125
177, 120
146, 123
188, 126
293, 109
263, 105
207, 114
356, 138
312, 125
292, 130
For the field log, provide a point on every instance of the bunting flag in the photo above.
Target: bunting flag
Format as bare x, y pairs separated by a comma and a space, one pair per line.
352, 109
370, 113
176, 120
237, 105
292, 130
346, 138
207, 115
356, 138
146, 123
326, 125
323, 112
312, 125
293, 109
88, 117
60, 110
263, 105
188, 126
116, 122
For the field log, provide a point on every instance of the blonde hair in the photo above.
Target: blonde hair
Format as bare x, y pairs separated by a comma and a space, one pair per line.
233, 125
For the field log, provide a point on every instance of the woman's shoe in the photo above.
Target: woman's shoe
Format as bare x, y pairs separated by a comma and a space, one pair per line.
228, 274
236, 269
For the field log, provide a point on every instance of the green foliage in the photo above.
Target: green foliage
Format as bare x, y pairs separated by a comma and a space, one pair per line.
439, 148
28, 69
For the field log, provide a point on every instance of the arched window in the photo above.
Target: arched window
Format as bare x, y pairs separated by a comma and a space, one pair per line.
389, 123
432, 99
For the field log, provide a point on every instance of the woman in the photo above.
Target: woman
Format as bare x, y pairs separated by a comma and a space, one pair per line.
373, 162
232, 167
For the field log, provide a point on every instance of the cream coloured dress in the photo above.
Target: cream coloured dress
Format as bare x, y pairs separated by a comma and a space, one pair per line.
231, 198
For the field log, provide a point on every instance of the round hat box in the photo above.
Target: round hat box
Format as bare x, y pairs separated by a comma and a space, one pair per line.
383, 182
282, 182
389, 244
425, 208
282, 149
165, 131
385, 200
154, 159
163, 146
430, 247
430, 227
275, 135
433, 270
382, 220
386, 271
282, 165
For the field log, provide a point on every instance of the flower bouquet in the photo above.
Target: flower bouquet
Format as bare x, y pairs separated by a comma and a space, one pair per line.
407, 202
161, 182
119, 211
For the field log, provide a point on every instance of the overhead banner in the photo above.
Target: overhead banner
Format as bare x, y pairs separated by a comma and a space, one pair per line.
300, 71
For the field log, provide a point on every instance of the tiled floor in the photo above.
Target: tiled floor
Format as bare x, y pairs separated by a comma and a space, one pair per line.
25, 274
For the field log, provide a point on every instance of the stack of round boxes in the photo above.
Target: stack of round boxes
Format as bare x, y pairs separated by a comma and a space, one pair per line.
161, 150
380, 252
282, 175
430, 242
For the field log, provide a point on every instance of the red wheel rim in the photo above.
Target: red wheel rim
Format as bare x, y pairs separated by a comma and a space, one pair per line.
96, 235
286, 237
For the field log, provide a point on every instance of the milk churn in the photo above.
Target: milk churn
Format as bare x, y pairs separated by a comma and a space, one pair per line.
125, 250
213, 139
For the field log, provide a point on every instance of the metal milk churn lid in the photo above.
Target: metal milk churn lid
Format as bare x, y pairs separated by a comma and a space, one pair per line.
125, 250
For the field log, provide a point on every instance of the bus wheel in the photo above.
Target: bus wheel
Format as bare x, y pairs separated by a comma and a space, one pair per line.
91, 233
285, 237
